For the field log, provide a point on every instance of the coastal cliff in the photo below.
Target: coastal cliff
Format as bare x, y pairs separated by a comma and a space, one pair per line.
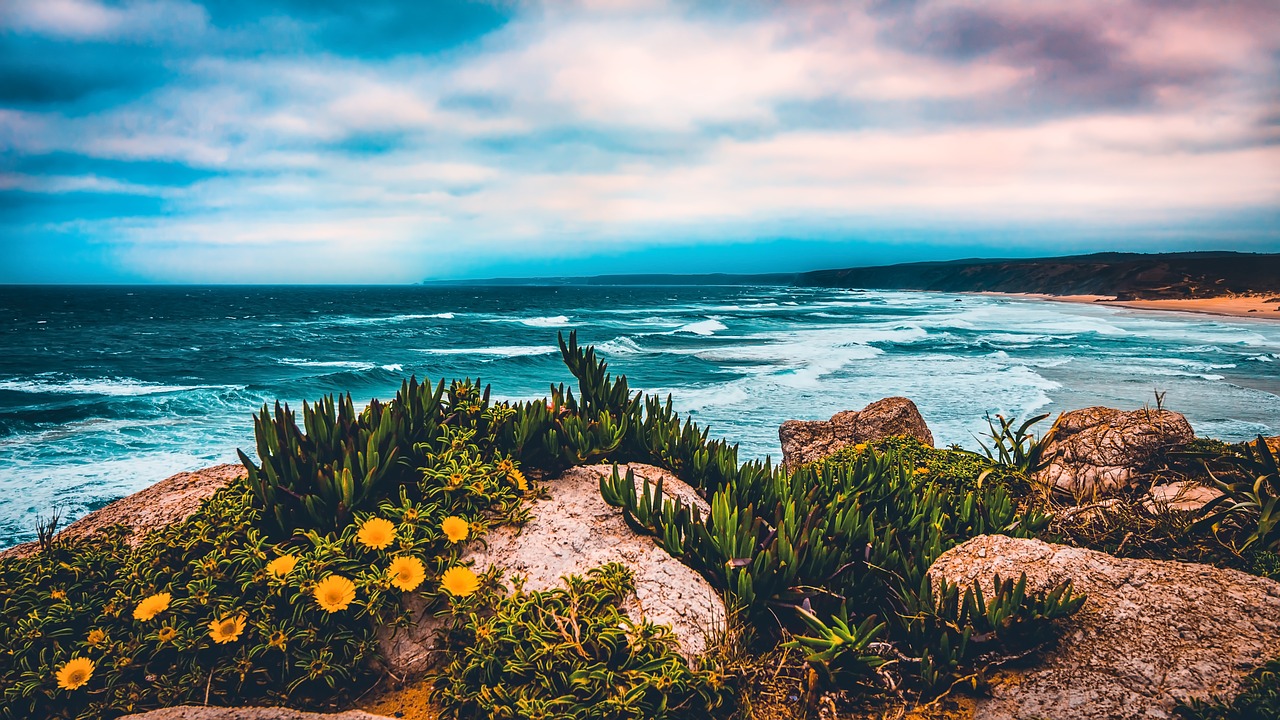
1126, 276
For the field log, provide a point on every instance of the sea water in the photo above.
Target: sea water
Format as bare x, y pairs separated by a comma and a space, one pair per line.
105, 390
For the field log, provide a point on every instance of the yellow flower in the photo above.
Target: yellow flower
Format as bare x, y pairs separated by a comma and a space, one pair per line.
407, 573
411, 515
376, 533
227, 629
97, 636
282, 565
335, 593
278, 640
58, 594
459, 581
454, 528
922, 471
518, 478
456, 480
505, 466
860, 447
166, 634
75, 673
151, 606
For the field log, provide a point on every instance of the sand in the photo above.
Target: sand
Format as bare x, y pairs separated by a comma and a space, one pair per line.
1252, 306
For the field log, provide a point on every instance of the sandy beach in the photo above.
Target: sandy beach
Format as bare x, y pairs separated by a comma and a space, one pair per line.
1254, 306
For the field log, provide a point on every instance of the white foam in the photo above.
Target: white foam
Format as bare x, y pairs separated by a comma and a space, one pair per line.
50, 383
342, 364
703, 327
620, 346
548, 321
501, 350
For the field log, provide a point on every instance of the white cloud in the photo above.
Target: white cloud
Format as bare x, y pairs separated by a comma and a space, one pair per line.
90, 20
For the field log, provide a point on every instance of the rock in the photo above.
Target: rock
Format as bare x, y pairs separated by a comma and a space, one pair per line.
169, 501
1152, 633
804, 441
570, 533
1098, 450
1181, 496
204, 712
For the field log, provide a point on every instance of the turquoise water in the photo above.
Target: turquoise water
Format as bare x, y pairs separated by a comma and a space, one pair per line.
104, 391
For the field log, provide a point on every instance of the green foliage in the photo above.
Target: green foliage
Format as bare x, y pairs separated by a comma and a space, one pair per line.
841, 653
1250, 507
79, 600
570, 653
1015, 448
1259, 699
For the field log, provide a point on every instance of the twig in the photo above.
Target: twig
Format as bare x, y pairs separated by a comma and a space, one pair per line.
207, 686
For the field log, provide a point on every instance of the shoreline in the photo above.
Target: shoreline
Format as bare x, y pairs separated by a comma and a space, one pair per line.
1251, 307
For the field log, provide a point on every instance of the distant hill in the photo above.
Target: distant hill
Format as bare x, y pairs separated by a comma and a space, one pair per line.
1128, 276
636, 279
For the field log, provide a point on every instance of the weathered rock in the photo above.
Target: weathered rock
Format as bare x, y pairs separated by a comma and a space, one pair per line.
1151, 633
1097, 450
204, 712
1181, 496
169, 501
1273, 443
804, 441
570, 533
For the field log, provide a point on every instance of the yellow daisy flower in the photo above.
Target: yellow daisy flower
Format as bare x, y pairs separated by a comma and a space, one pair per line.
74, 673
151, 606
456, 480
97, 636
58, 594
860, 447
335, 593
454, 528
282, 565
459, 581
166, 634
376, 533
407, 573
227, 629
518, 478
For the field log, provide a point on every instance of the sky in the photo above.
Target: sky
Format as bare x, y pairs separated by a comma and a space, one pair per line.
324, 141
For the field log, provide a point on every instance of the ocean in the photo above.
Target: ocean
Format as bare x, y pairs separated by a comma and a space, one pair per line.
105, 390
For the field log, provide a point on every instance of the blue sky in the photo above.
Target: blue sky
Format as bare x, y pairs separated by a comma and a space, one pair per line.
378, 141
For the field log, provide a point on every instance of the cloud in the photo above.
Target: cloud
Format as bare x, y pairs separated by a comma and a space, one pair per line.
270, 133
90, 20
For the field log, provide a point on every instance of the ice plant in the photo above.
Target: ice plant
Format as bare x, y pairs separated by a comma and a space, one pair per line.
282, 565
459, 581
454, 528
335, 593
74, 673
97, 636
227, 629
407, 573
151, 606
376, 533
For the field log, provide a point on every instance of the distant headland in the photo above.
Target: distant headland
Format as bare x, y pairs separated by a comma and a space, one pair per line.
1213, 282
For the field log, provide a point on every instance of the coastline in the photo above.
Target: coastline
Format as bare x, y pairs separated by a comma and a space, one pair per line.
1252, 306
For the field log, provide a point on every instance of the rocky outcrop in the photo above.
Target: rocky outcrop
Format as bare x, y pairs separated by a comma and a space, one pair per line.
169, 501
204, 712
805, 441
1180, 496
572, 532
1098, 450
1152, 633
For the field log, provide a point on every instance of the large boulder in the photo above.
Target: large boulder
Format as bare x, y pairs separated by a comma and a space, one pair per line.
171, 500
1098, 450
1152, 633
571, 532
1184, 496
805, 441
205, 712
